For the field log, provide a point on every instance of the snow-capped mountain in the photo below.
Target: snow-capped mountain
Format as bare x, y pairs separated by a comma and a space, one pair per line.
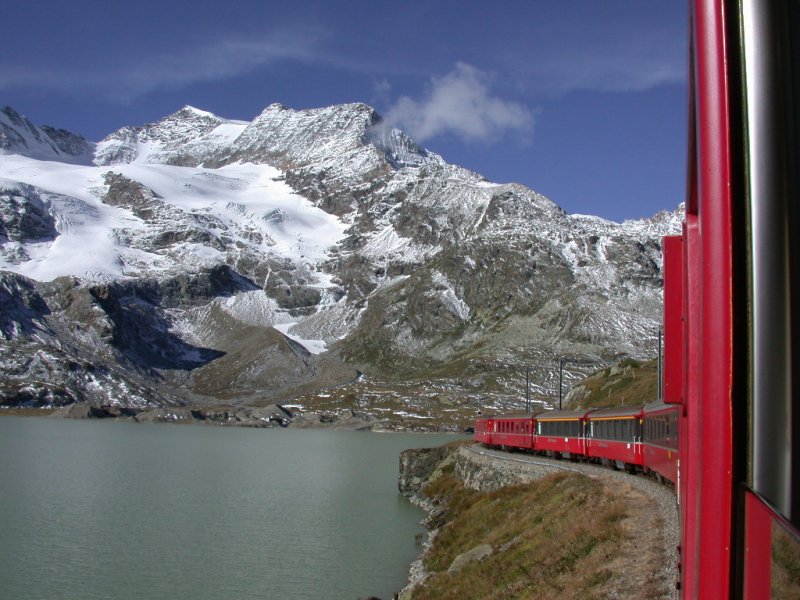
19, 136
205, 260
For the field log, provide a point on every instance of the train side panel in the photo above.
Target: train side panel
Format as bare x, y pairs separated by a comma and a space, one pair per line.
615, 434
482, 431
660, 439
561, 432
513, 432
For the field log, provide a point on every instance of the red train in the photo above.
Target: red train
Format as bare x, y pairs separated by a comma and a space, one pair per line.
728, 430
639, 438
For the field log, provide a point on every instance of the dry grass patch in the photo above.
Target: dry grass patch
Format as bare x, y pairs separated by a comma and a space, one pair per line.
629, 383
551, 539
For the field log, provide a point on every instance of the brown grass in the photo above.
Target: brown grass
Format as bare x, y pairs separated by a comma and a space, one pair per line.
635, 383
551, 539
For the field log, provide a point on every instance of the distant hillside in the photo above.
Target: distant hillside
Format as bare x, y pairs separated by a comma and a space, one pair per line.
627, 383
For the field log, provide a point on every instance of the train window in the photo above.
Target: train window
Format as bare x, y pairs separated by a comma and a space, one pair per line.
771, 117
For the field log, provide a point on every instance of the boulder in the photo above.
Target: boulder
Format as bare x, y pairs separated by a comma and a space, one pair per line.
477, 553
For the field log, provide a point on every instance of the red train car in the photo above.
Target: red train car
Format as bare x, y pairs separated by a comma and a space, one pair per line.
732, 304
483, 429
510, 431
614, 435
561, 433
660, 441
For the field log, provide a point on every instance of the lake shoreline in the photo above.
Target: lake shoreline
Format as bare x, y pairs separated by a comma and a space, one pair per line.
269, 416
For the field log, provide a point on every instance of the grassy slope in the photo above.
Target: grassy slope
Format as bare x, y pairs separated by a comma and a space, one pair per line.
555, 538
626, 384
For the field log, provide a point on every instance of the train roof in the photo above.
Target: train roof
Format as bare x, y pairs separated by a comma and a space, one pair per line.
562, 415
616, 411
518, 415
659, 406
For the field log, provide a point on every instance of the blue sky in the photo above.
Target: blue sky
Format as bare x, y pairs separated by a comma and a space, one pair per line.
583, 101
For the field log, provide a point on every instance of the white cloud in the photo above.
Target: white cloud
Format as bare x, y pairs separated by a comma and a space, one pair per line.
381, 87
461, 104
223, 60
126, 80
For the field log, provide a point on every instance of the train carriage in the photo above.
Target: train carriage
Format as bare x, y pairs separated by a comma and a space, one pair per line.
510, 431
561, 432
614, 435
483, 429
513, 431
734, 334
660, 440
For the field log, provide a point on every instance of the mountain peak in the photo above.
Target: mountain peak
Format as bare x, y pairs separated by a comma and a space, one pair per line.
194, 111
182, 138
18, 135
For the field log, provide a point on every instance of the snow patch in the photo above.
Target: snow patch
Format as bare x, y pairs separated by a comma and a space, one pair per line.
313, 346
240, 196
448, 296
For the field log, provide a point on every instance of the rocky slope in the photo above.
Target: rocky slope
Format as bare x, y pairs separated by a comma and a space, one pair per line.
201, 260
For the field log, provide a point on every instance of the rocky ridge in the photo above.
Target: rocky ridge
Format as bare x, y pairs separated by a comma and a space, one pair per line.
257, 262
